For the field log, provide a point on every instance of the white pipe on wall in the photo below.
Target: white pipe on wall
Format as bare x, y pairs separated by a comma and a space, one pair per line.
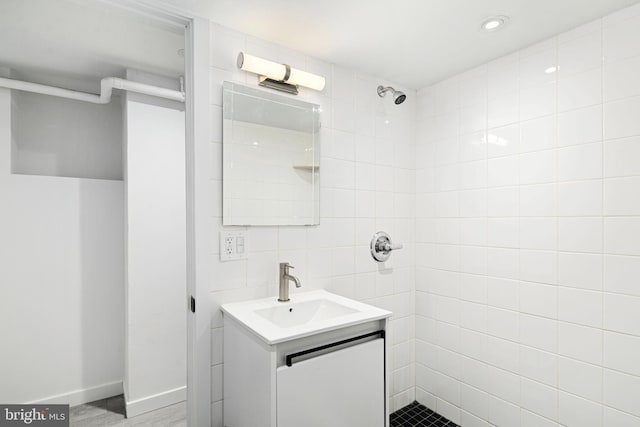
106, 88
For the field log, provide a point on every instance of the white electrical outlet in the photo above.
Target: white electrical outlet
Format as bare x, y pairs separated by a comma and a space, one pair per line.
233, 245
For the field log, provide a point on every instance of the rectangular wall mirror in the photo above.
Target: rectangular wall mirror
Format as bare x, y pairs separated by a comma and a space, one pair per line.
271, 159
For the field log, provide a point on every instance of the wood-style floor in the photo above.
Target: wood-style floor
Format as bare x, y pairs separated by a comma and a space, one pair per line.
110, 412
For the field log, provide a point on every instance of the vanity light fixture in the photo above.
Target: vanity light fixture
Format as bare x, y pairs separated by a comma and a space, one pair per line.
494, 23
279, 76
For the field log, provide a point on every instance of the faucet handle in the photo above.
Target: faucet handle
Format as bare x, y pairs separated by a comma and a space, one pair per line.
290, 266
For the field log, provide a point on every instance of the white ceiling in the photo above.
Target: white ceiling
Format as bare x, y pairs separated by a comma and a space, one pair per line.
412, 42
84, 39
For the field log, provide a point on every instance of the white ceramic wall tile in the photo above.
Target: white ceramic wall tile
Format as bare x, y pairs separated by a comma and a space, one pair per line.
354, 139
580, 126
620, 39
580, 54
539, 399
612, 417
540, 300
621, 196
502, 232
537, 101
538, 233
538, 226
504, 384
502, 202
621, 352
539, 365
580, 90
622, 235
502, 76
502, 171
503, 141
473, 231
574, 411
620, 273
538, 266
580, 342
502, 293
502, 353
589, 165
473, 118
473, 175
529, 419
580, 198
533, 68
539, 332
580, 234
620, 157
448, 410
503, 413
473, 86
538, 200
620, 79
620, 118
473, 288
580, 270
539, 167
468, 419
620, 391
472, 203
503, 262
503, 323
503, 110
579, 306
538, 134
622, 313
474, 401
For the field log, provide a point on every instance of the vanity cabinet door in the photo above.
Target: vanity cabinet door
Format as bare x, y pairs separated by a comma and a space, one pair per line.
344, 388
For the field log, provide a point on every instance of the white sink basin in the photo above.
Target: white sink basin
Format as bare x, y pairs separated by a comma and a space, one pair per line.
289, 315
306, 314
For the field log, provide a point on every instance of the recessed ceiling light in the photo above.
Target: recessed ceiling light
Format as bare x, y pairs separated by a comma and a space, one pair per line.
494, 23
551, 70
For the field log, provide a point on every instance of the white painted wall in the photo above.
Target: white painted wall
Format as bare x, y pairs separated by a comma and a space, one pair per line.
528, 225
367, 182
155, 367
69, 138
61, 283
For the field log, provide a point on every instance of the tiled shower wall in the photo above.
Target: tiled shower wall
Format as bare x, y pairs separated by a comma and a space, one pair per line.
367, 183
528, 235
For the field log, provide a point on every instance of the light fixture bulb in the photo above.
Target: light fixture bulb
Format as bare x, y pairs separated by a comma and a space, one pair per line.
494, 23
279, 72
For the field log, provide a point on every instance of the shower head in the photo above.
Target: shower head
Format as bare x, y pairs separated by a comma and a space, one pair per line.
398, 97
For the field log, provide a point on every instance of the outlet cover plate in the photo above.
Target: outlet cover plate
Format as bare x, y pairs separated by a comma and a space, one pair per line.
233, 245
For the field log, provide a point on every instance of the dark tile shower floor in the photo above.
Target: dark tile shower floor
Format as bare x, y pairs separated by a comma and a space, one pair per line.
417, 415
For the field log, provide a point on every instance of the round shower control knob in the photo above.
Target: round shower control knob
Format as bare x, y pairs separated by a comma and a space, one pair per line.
381, 246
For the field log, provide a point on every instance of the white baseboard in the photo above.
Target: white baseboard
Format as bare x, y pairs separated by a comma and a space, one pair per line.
78, 397
153, 402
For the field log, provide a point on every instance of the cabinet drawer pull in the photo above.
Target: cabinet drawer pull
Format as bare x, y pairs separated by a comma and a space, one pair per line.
289, 357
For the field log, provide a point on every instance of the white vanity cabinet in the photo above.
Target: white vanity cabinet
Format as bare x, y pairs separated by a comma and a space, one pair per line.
332, 378
341, 388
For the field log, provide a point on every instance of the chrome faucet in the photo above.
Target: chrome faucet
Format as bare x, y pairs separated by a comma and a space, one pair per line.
284, 281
